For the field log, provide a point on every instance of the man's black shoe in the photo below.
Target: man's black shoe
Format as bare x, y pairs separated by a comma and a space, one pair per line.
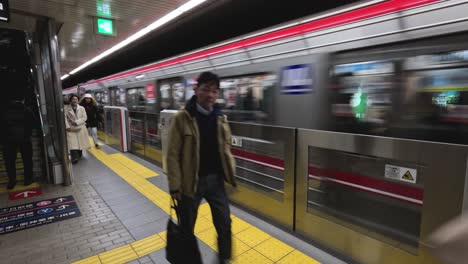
28, 182
11, 185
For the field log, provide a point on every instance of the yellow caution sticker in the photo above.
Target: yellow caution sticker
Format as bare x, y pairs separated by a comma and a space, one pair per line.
408, 176
401, 173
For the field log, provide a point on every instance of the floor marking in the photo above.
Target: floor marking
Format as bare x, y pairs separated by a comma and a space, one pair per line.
250, 244
20, 187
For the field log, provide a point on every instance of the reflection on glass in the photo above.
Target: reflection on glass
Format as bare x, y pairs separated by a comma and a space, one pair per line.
363, 95
260, 166
136, 99
178, 90
351, 190
248, 98
165, 90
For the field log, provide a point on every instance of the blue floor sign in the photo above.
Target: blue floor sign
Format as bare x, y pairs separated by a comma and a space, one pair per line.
38, 213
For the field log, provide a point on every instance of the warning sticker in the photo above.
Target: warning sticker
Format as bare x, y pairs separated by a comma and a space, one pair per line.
401, 173
236, 141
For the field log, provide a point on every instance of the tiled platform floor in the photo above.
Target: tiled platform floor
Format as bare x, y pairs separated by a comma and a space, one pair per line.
125, 211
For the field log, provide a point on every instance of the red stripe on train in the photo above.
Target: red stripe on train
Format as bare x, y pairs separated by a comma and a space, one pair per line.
376, 10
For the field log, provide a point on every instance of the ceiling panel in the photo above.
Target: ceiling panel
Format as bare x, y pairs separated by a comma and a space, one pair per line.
77, 37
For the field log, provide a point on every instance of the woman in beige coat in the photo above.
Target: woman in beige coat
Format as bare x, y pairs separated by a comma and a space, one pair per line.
75, 123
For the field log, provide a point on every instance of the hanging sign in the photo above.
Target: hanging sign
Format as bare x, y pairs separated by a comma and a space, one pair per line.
4, 11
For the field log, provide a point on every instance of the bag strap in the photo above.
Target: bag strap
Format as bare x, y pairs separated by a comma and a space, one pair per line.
175, 206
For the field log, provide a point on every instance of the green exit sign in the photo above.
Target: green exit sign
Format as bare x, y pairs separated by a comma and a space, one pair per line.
105, 26
103, 8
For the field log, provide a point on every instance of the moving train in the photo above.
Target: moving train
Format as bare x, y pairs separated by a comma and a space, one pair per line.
396, 68
397, 74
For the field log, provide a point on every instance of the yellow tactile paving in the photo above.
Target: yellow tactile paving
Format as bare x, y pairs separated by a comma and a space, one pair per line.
159, 197
134, 166
252, 236
208, 237
119, 255
250, 244
204, 210
274, 249
297, 257
238, 247
239, 225
150, 244
203, 224
250, 257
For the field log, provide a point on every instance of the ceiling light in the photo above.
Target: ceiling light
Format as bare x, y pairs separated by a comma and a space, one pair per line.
156, 24
64, 77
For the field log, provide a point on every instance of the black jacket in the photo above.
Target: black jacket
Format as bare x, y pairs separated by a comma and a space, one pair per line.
18, 122
92, 114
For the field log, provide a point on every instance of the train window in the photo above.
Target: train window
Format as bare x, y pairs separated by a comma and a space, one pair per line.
362, 95
178, 95
136, 98
189, 92
165, 90
172, 93
437, 102
247, 98
98, 96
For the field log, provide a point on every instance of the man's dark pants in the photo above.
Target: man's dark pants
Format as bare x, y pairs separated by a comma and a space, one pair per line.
10, 149
210, 187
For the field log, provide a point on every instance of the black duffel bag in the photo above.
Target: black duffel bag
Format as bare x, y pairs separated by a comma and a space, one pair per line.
181, 248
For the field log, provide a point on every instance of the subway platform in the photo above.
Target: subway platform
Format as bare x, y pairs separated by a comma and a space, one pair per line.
121, 208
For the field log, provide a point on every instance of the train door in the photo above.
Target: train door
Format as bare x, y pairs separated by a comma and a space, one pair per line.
136, 104
102, 99
114, 96
171, 93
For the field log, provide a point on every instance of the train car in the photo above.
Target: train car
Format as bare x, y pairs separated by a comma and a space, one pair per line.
388, 68
320, 73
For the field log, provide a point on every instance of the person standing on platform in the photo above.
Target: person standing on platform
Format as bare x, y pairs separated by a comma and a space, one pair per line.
17, 119
90, 106
75, 124
199, 161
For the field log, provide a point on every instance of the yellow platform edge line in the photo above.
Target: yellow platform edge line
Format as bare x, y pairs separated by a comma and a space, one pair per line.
161, 199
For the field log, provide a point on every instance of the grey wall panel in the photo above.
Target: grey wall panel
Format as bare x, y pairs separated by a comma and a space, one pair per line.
154, 74
457, 10
197, 71
281, 56
312, 106
230, 57
280, 47
352, 34
175, 69
197, 65
234, 64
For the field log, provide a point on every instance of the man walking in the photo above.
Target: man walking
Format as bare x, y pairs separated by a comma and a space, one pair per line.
199, 160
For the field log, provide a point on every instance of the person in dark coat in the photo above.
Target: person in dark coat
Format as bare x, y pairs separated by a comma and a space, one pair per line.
91, 108
18, 121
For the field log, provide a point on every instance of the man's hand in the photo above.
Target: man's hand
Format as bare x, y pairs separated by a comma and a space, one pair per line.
74, 123
177, 196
